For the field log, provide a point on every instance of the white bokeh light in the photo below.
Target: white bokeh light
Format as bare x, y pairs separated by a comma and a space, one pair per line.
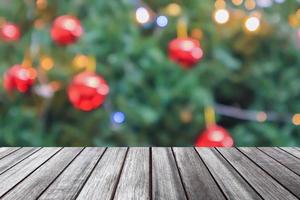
142, 15
221, 16
252, 24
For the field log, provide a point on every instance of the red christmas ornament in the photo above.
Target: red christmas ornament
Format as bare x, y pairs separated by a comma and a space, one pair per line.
214, 136
87, 91
10, 32
66, 30
19, 78
185, 51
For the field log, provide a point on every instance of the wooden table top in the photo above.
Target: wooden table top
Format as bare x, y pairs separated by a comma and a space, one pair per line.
149, 173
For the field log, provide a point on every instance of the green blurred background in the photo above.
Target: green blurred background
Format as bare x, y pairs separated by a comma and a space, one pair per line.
162, 103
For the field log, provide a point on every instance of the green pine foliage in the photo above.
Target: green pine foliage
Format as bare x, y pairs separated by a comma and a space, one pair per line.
254, 71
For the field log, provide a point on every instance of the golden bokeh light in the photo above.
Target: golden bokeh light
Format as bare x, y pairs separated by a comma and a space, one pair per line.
296, 119
173, 9
47, 63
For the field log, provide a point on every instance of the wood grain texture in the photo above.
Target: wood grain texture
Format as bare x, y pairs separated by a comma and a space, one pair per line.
102, 182
36, 183
283, 157
16, 157
265, 185
293, 151
134, 183
149, 173
69, 183
13, 176
166, 183
234, 186
197, 180
279, 172
5, 151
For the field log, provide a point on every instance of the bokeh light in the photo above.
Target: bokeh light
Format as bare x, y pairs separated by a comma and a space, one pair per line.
118, 117
47, 63
252, 24
296, 119
250, 4
261, 116
237, 2
142, 15
173, 9
221, 16
162, 21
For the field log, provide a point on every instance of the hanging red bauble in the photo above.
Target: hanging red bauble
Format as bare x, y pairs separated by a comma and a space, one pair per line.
214, 136
19, 78
10, 32
185, 51
66, 30
87, 91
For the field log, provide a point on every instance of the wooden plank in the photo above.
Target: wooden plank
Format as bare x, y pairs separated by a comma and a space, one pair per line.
292, 151
13, 176
282, 174
69, 183
265, 185
197, 180
37, 182
104, 179
166, 183
5, 151
16, 157
233, 186
283, 157
134, 182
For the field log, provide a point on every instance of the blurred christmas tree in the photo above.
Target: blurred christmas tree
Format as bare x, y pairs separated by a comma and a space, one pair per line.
251, 61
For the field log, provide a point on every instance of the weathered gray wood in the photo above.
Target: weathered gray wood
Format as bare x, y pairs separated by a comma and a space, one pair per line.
38, 181
5, 151
292, 151
16, 157
32, 186
282, 174
197, 180
102, 182
166, 183
283, 157
134, 182
178, 173
14, 175
233, 186
69, 183
266, 186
